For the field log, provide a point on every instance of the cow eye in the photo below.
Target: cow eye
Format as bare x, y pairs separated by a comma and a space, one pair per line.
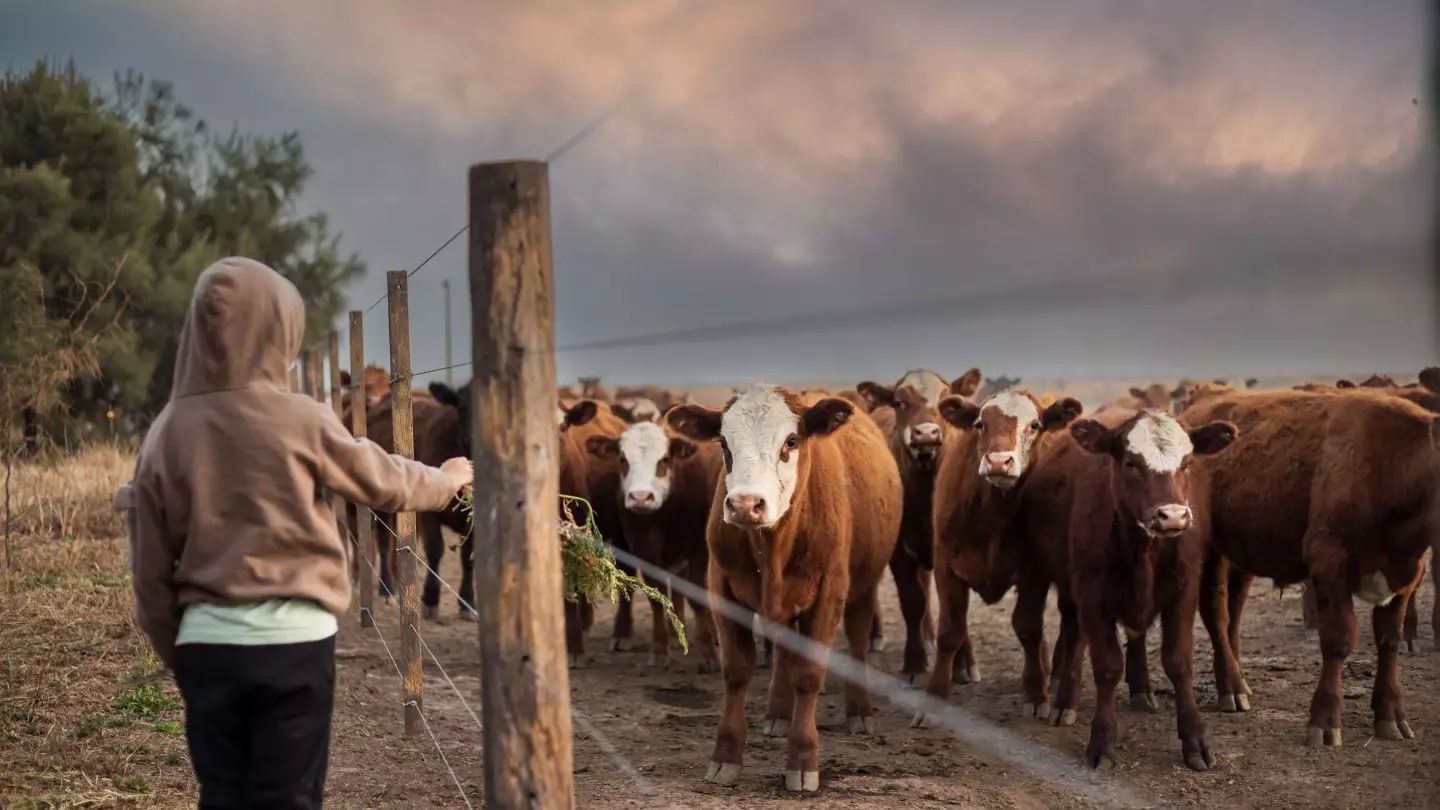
980, 426
792, 441
1035, 425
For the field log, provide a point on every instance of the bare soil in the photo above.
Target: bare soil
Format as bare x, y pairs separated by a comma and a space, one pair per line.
70, 737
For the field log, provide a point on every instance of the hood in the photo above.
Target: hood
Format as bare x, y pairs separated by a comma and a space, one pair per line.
244, 327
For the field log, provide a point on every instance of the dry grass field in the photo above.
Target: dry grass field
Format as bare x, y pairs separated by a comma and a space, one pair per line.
70, 737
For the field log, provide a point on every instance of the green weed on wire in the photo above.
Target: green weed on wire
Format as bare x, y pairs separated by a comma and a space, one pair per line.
588, 566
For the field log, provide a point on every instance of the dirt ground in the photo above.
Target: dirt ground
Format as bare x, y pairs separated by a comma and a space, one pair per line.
71, 736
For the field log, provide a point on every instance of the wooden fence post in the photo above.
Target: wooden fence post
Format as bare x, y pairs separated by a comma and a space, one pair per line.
359, 515
295, 375
403, 424
526, 696
335, 373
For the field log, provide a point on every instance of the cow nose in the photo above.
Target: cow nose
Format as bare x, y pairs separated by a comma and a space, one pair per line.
1172, 518
746, 508
926, 434
999, 463
640, 499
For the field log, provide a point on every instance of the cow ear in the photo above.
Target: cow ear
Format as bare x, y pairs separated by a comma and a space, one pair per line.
681, 448
580, 413
1061, 412
826, 416
1430, 378
1344, 384
695, 422
875, 394
959, 411
1214, 437
444, 394
1092, 436
966, 384
606, 447
1137, 393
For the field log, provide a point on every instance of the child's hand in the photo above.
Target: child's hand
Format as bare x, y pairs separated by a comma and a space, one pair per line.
460, 471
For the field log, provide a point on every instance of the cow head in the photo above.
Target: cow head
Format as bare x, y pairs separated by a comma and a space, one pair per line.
647, 456
459, 399
916, 400
1150, 473
1154, 396
763, 434
1008, 426
636, 409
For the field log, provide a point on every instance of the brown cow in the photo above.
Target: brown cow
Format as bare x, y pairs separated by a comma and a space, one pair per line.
590, 388
982, 468
908, 413
1133, 554
667, 485
663, 399
800, 531
1362, 470
1154, 395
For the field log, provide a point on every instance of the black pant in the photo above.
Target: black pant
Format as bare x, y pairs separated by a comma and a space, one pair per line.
257, 719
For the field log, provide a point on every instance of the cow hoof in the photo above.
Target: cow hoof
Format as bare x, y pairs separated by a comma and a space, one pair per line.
914, 679
777, 727
574, 662
859, 725
1245, 687
1101, 759
923, 720
802, 781
1035, 710
1063, 717
1318, 737
966, 674
1393, 730
1199, 762
723, 773
1234, 703
620, 645
657, 661
1144, 702
428, 612
468, 615
877, 645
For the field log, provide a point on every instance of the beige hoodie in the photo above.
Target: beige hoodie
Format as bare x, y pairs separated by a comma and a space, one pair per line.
229, 490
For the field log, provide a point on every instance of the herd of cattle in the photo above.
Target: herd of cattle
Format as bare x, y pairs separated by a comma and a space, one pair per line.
1169, 501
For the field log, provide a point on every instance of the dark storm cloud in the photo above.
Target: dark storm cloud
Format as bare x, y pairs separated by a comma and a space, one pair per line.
1069, 188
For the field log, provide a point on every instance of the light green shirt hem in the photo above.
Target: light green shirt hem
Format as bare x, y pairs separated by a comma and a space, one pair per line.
277, 621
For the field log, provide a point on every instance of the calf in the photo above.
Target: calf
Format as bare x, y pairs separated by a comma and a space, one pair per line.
799, 531
1340, 490
667, 484
915, 432
1135, 554
982, 468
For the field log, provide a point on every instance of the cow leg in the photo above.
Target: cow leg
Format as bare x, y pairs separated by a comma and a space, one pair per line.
586, 614
1238, 592
737, 666
659, 624
966, 670
876, 632
780, 702
1386, 621
802, 762
1411, 636
433, 539
914, 606
1309, 617
927, 621
1028, 621
1337, 641
1065, 678
1177, 654
1107, 662
466, 600
1435, 579
623, 637
858, 615
385, 548
1137, 673
705, 636
1215, 613
954, 635
574, 633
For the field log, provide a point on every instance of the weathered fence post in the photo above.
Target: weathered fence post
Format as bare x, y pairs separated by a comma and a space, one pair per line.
359, 515
526, 696
403, 424
335, 373
295, 375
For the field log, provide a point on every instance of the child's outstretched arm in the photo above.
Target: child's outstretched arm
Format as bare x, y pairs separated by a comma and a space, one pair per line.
359, 470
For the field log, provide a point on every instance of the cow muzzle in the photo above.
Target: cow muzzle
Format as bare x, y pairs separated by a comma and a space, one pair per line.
1169, 521
641, 502
1000, 469
745, 510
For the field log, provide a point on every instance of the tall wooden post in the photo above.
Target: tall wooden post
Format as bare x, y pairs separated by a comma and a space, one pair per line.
403, 425
335, 401
526, 699
361, 521
295, 375
310, 382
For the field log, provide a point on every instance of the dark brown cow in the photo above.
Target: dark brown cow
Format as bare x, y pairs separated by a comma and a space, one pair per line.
800, 531
1126, 496
908, 413
667, 485
1154, 395
982, 468
1337, 489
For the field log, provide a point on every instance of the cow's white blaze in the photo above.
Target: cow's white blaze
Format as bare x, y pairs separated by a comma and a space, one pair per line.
755, 428
930, 385
1022, 409
1159, 441
644, 445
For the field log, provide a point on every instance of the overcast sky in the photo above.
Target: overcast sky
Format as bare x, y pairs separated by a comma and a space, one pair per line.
1069, 188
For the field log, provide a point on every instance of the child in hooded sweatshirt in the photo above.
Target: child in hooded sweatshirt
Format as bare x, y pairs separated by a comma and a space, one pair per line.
238, 569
